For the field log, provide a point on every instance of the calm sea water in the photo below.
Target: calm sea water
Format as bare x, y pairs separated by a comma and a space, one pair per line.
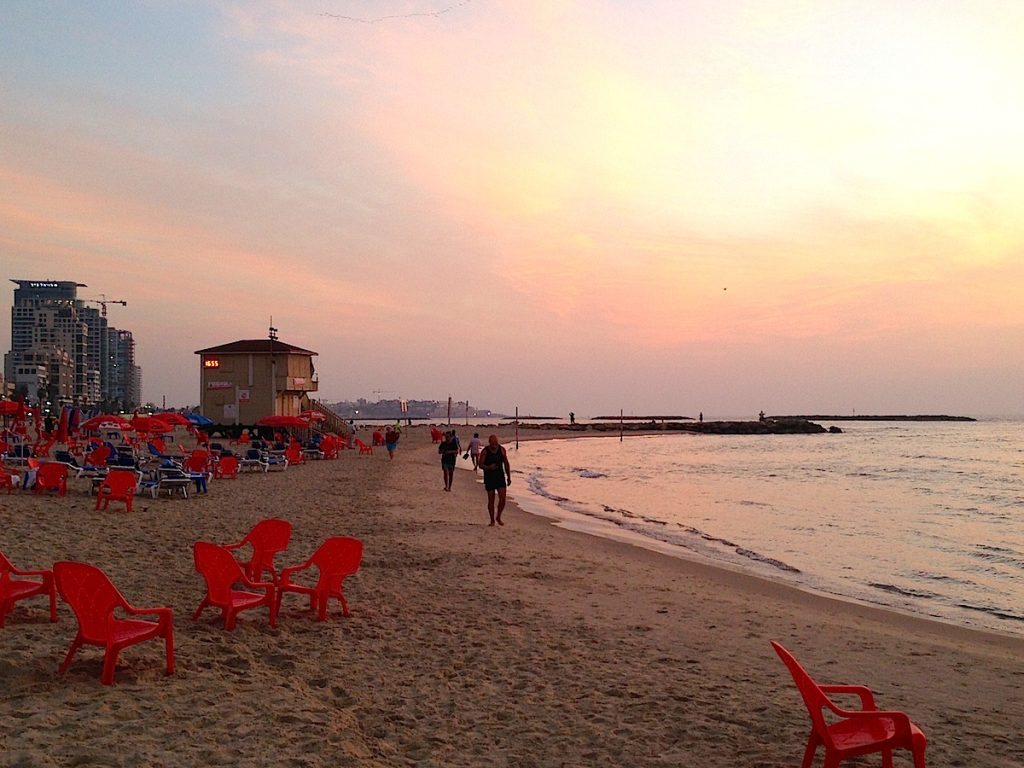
920, 517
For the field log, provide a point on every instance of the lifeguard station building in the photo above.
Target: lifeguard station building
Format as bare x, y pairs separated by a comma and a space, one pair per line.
244, 381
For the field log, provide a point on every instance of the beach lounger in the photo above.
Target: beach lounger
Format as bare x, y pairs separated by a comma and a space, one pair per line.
221, 572
14, 589
254, 460
168, 479
93, 598
848, 733
337, 558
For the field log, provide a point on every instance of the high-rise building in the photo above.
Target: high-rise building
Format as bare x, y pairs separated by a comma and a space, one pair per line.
124, 376
61, 349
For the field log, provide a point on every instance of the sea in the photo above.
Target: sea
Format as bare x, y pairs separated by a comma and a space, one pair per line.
925, 518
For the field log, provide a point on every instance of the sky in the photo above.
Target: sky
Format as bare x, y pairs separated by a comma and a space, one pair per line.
591, 205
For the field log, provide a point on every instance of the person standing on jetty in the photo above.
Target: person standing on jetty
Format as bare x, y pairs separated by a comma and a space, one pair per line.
497, 476
449, 450
391, 441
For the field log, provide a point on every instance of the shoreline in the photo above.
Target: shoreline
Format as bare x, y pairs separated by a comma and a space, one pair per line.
596, 528
538, 504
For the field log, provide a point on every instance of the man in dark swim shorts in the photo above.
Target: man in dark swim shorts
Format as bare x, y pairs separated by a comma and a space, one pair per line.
497, 476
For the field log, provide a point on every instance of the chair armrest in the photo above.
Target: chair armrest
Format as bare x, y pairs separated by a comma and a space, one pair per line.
867, 699
239, 545
143, 611
900, 719
18, 572
282, 579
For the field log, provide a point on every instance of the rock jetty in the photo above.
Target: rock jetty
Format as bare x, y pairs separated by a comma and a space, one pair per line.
764, 427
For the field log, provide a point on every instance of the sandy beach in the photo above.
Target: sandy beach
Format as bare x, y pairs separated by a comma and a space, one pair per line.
468, 645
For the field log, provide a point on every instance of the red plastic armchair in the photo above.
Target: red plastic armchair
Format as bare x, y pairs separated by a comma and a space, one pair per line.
363, 447
294, 454
94, 598
52, 476
198, 461
6, 478
97, 457
336, 558
226, 467
378, 438
848, 733
435, 435
267, 538
222, 572
12, 590
118, 485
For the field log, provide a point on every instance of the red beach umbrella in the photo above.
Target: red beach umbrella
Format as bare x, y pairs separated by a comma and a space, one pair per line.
172, 419
312, 415
105, 421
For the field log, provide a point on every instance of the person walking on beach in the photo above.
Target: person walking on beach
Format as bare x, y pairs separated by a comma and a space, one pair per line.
391, 441
449, 450
497, 476
475, 446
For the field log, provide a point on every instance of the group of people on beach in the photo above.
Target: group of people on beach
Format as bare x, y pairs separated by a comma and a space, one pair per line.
492, 459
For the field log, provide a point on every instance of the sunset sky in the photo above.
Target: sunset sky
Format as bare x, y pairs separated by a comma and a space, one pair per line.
586, 205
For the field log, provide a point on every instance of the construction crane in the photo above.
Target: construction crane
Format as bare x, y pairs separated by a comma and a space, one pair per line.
103, 301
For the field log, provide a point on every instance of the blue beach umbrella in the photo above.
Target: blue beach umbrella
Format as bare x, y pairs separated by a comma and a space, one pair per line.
199, 420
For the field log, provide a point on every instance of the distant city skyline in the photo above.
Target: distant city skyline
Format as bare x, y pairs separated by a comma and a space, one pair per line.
664, 207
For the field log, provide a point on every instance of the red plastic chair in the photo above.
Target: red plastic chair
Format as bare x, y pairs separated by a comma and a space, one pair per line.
855, 732
294, 454
221, 572
6, 478
435, 435
363, 447
198, 461
267, 538
52, 476
226, 467
118, 485
97, 457
336, 558
378, 438
12, 590
93, 599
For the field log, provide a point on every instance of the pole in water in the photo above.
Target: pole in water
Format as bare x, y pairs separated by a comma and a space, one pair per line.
517, 427
620, 425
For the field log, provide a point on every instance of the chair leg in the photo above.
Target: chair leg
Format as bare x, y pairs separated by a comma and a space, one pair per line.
109, 664
169, 648
53, 604
75, 645
229, 619
886, 758
344, 605
812, 747
201, 608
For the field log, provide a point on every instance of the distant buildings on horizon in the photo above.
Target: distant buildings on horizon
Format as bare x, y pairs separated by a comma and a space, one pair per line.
63, 351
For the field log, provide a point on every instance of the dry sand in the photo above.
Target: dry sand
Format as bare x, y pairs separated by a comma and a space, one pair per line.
526, 645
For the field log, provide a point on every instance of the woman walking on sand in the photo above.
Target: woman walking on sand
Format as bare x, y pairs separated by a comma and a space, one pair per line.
449, 450
497, 476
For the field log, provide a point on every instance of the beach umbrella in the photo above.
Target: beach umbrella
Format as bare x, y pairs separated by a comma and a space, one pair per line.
312, 415
147, 424
199, 420
105, 421
172, 419
283, 421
